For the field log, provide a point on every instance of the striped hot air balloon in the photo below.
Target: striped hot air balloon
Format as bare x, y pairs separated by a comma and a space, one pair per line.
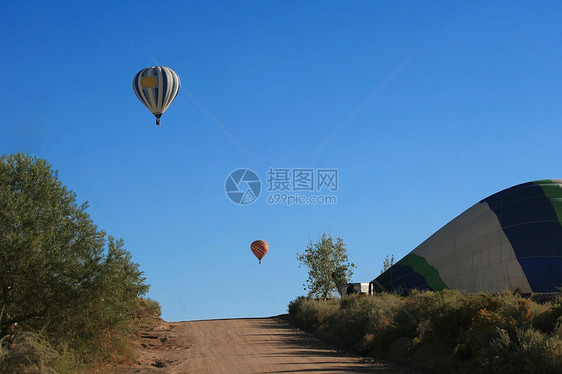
259, 248
156, 87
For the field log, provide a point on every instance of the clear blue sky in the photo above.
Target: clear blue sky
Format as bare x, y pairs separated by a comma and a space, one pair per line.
427, 107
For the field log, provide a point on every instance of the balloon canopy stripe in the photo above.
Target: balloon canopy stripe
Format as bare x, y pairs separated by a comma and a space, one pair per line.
139, 90
163, 94
259, 250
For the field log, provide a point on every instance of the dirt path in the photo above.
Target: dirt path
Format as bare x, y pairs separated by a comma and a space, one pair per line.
261, 345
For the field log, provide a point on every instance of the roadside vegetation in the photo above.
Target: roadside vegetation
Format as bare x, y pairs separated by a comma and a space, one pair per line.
441, 332
70, 295
328, 266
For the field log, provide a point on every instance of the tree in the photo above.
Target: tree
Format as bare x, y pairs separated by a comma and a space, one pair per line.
328, 265
58, 271
387, 264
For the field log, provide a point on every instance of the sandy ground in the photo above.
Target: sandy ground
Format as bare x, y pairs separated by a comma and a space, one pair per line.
260, 345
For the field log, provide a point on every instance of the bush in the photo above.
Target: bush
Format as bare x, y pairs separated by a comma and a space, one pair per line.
527, 350
548, 318
504, 311
295, 305
146, 312
446, 331
312, 314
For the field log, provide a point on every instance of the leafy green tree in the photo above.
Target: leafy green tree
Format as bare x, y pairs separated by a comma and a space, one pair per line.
328, 266
58, 272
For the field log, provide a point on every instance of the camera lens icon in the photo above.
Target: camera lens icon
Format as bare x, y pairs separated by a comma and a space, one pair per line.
243, 186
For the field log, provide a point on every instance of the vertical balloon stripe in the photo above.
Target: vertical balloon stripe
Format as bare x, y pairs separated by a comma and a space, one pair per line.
166, 84
150, 95
140, 91
170, 81
157, 99
151, 91
175, 90
165, 89
158, 90
154, 89
144, 91
137, 88
172, 87
530, 220
175, 86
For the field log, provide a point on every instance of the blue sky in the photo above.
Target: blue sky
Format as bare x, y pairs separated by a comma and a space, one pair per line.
424, 108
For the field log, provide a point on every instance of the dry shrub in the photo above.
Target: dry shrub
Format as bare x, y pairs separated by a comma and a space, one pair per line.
312, 314
146, 312
30, 353
526, 350
504, 311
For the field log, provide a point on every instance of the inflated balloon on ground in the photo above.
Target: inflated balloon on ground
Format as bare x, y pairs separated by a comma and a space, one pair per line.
509, 240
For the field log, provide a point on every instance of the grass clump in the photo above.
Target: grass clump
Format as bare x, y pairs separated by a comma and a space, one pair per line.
32, 353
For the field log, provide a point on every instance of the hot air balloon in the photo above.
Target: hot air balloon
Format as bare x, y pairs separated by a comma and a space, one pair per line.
259, 248
511, 239
156, 87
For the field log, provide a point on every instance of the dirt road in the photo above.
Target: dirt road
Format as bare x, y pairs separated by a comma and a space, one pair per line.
261, 345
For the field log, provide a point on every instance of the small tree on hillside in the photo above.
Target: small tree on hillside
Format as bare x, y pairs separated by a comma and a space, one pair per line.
328, 266
387, 264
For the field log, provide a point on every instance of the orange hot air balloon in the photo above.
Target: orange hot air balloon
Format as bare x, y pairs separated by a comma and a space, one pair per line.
259, 248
